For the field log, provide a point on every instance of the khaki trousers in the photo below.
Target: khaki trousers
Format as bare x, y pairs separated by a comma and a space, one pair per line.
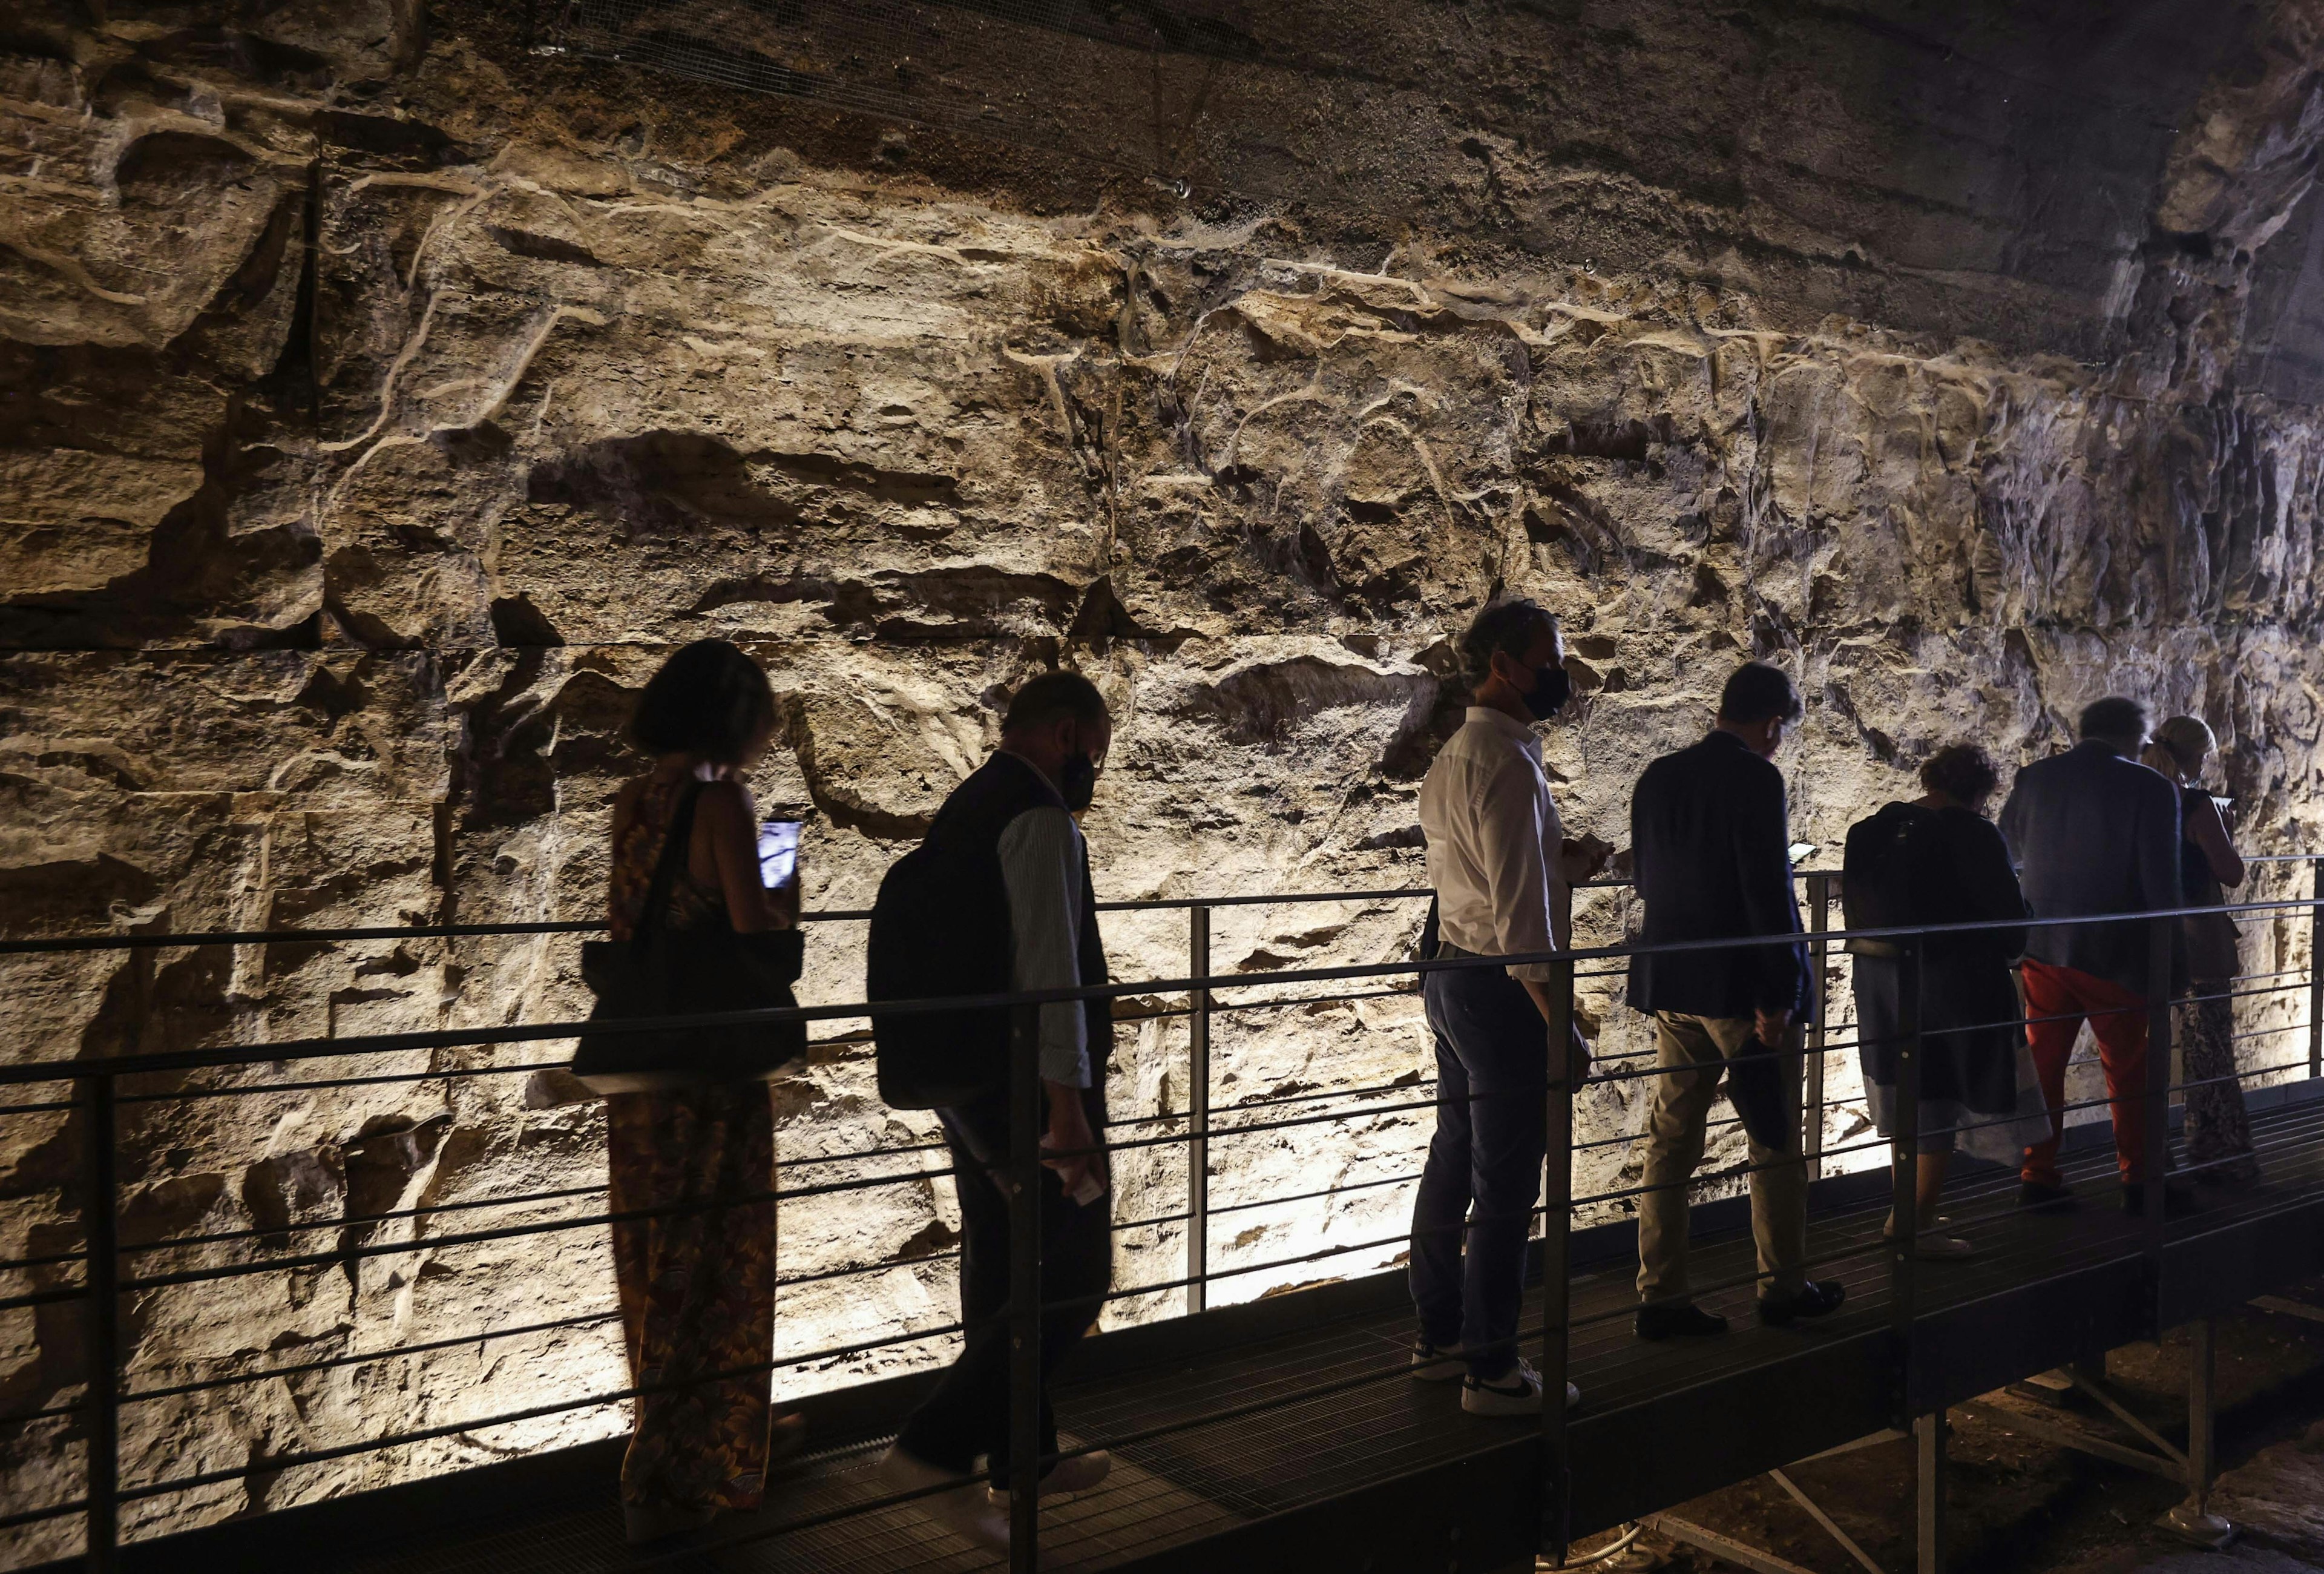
1692, 1052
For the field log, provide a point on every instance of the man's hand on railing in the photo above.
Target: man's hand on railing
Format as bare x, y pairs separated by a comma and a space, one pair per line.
1581, 859
1771, 1025
1069, 1134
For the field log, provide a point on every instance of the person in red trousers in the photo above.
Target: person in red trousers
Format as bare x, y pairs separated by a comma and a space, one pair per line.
2093, 831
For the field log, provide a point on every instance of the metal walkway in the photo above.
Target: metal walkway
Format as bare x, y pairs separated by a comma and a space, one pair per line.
1285, 1434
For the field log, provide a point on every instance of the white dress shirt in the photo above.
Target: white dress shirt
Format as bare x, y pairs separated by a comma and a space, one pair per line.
1493, 839
1041, 864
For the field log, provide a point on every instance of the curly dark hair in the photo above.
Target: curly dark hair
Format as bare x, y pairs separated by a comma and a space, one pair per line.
1507, 626
709, 698
1963, 772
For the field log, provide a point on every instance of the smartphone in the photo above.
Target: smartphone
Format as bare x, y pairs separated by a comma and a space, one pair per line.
779, 841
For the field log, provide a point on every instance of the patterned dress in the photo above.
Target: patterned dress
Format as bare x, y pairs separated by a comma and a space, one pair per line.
697, 1285
2218, 1134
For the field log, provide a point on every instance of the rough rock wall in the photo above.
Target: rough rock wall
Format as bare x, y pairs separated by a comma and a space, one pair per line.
380, 404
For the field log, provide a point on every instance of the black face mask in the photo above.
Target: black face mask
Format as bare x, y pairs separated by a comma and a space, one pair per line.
1552, 688
1077, 781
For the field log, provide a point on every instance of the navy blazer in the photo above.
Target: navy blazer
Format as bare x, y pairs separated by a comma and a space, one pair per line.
1711, 842
2093, 832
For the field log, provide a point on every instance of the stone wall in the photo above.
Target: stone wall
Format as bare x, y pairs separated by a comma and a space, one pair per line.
381, 402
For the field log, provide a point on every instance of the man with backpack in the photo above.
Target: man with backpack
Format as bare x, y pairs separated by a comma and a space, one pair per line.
1711, 837
998, 899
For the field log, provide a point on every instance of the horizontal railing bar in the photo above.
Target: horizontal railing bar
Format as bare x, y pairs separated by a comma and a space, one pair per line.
357, 1358
377, 1043
44, 1297
824, 915
1133, 1292
509, 1418
1217, 1208
454, 1341
869, 1182
403, 1439
33, 1515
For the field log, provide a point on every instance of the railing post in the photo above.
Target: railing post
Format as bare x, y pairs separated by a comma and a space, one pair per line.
1198, 1110
1027, 1120
2202, 1369
100, 1224
2316, 970
1819, 991
1556, 1230
1904, 1161
2156, 1108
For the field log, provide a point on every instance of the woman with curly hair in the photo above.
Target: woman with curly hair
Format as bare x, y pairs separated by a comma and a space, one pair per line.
1937, 860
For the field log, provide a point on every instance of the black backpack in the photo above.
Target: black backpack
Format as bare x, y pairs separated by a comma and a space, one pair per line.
940, 928
1896, 873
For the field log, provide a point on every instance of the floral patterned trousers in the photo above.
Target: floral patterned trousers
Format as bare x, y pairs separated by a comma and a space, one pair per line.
697, 1290
2217, 1133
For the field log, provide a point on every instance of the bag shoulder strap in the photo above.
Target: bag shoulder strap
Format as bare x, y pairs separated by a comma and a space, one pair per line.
675, 844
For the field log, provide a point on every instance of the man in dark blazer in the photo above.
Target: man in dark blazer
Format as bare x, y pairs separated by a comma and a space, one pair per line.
2092, 831
1711, 837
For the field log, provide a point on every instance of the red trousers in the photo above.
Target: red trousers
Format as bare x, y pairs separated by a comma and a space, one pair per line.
2058, 999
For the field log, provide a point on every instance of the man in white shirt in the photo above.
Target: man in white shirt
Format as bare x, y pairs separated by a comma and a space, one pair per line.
1503, 871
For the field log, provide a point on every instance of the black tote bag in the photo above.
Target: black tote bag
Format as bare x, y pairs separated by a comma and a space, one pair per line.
703, 968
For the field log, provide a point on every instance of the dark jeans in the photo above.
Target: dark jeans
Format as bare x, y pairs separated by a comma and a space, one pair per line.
1492, 1078
968, 1414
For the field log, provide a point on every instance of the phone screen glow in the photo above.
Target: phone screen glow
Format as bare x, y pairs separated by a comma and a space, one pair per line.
779, 842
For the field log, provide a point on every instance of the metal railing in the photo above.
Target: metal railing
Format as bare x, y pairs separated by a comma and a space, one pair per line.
97, 1097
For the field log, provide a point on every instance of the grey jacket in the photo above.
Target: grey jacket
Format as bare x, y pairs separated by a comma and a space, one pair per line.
2091, 832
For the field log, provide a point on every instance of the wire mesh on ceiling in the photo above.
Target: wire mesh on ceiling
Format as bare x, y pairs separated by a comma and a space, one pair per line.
1123, 85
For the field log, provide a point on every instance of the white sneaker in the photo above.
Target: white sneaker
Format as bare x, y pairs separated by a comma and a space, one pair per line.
1438, 1363
965, 1509
1518, 1394
1077, 1473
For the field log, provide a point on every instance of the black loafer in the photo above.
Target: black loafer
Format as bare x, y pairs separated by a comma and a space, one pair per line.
2041, 1194
1687, 1321
1816, 1298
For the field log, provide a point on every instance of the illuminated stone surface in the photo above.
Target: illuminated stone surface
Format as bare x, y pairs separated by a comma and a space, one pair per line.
325, 601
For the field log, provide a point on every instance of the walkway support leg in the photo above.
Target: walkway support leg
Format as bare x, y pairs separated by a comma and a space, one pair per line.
1929, 1450
2193, 1520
